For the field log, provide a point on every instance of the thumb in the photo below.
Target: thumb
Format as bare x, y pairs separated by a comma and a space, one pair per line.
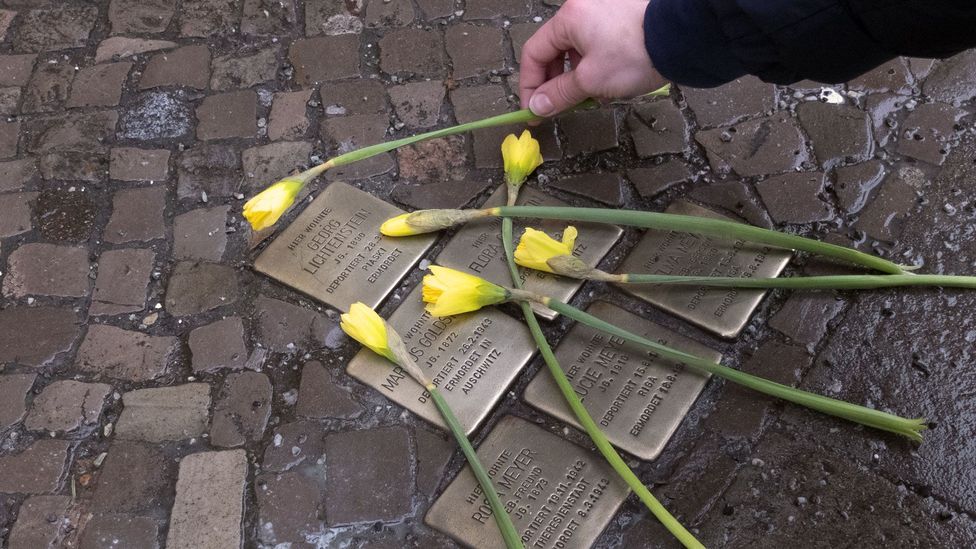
557, 95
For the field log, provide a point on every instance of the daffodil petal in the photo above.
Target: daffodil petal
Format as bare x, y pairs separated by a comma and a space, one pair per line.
536, 248
267, 207
450, 292
365, 326
397, 226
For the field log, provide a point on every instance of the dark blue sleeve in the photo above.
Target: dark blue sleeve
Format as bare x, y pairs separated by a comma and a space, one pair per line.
705, 43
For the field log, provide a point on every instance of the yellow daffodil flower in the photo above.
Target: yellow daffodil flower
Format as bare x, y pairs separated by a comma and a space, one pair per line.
365, 326
428, 221
521, 156
449, 292
397, 226
536, 248
269, 205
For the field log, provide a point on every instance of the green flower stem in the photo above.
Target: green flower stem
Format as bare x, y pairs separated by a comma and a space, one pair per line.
910, 428
701, 225
591, 428
504, 521
843, 282
517, 117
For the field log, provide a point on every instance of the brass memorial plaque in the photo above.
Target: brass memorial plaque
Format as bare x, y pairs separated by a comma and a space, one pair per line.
477, 247
560, 496
472, 358
335, 253
724, 311
637, 398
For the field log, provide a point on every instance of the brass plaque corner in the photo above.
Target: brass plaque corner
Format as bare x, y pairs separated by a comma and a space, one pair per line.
560, 496
334, 251
723, 311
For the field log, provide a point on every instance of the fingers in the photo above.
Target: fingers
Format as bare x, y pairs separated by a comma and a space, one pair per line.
558, 94
546, 47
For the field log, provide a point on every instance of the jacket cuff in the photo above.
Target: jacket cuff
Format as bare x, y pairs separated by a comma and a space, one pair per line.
687, 44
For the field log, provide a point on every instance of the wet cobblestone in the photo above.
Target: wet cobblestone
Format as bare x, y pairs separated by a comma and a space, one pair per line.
157, 392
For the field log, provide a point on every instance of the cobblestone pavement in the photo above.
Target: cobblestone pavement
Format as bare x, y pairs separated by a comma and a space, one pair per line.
156, 391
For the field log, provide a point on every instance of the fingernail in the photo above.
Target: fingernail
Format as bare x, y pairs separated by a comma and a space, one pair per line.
540, 105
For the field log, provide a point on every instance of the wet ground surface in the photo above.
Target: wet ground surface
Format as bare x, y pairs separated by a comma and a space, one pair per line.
149, 376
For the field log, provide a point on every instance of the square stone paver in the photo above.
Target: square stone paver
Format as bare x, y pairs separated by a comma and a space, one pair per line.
115, 353
233, 72
325, 58
41, 522
167, 413
49, 85
123, 277
201, 234
9, 137
67, 405
214, 169
284, 327
54, 29
16, 218
72, 131
218, 345
16, 174
290, 506
15, 70
132, 164
37, 469
474, 49
418, 104
99, 86
14, 387
413, 51
265, 164
140, 16
227, 115
47, 269
203, 18
120, 530
137, 215
363, 96
209, 504
376, 458
195, 287
35, 336
187, 66
320, 397
288, 119
242, 409
135, 478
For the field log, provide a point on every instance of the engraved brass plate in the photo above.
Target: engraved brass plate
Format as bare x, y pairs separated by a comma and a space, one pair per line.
724, 311
477, 247
637, 398
558, 494
335, 253
472, 358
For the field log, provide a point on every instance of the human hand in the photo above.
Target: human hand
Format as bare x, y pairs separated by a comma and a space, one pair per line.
604, 40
